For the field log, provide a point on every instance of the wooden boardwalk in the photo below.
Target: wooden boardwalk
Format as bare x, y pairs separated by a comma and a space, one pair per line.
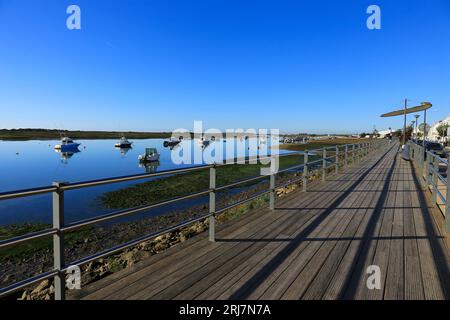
314, 245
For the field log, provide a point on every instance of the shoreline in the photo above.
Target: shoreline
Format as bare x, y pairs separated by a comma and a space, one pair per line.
53, 134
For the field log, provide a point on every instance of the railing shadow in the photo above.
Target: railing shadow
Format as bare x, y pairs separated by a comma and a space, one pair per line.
248, 287
435, 241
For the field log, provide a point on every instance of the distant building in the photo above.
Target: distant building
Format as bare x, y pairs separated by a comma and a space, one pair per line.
384, 133
433, 134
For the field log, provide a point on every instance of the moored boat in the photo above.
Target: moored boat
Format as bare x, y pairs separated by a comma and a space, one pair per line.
67, 144
123, 143
171, 142
150, 155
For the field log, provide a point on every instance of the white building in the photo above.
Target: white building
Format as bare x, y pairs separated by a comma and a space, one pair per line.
433, 134
384, 133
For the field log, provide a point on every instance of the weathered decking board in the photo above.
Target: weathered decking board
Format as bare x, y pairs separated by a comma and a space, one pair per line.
314, 245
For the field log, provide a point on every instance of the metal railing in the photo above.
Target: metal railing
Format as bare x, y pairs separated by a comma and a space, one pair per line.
429, 165
351, 153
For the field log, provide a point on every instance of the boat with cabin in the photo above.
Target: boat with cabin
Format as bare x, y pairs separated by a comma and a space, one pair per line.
123, 143
150, 155
172, 142
67, 144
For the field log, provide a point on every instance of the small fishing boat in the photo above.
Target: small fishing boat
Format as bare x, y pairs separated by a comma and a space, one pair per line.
150, 155
123, 143
67, 144
171, 142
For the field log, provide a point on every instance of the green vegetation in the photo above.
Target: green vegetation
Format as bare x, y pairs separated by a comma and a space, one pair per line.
239, 211
52, 134
442, 130
185, 183
24, 250
317, 144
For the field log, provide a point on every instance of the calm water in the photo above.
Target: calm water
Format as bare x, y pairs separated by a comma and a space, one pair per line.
28, 164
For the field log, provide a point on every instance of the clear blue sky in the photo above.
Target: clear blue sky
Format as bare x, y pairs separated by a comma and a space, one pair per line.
161, 64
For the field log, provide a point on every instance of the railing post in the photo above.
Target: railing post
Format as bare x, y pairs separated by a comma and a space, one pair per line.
357, 152
337, 159
324, 163
212, 204
346, 156
447, 202
427, 170
435, 180
353, 154
272, 189
305, 170
58, 241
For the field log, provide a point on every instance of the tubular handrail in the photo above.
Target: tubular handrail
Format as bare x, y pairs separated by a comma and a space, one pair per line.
26, 193
355, 150
128, 212
27, 237
428, 164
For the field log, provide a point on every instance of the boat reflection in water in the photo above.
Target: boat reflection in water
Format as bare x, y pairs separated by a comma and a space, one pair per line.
123, 151
66, 155
150, 167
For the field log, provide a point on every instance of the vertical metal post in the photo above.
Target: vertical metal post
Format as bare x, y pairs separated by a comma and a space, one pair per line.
212, 204
305, 170
447, 202
427, 169
58, 241
404, 121
324, 163
421, 159
353, 154
346, 155
337, 159
435, 180
272, 191
358, 152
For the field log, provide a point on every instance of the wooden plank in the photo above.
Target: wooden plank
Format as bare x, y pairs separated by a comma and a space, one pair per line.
278, 274
414, 289
323, 278
343, 273
229, 284
200, 267
355, 286
289, 285
331, 251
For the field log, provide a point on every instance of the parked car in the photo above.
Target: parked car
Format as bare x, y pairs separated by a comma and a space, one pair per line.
435, 147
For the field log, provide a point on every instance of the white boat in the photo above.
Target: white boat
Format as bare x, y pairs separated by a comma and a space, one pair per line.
67, 144
123, 143
150, 155
172, 142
